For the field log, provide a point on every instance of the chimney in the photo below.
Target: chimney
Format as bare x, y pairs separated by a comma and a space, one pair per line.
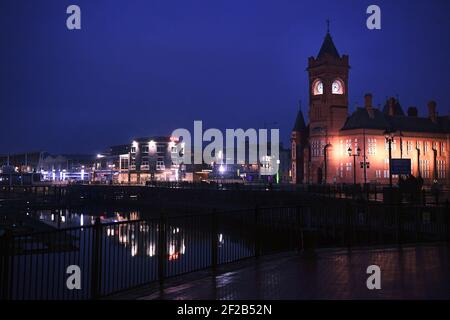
412, 112
368, 104
368, 101
391, 106
432, 111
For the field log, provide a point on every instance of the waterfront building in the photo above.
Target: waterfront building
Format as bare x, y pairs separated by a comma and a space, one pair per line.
338, 147
149, 159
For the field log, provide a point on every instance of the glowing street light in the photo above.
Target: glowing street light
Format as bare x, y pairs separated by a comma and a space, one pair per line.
389, 135
354, 155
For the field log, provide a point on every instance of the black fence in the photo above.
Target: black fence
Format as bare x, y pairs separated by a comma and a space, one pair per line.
52, 194
122, 255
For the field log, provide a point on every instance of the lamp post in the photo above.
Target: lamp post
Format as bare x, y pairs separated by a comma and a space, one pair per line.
354, 155
389, 139
325, 162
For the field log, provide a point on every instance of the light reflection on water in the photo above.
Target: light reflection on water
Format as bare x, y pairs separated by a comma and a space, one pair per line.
131, 237
129, 248
66, 218
134, 237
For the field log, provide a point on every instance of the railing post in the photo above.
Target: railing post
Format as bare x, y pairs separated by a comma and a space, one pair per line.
96, 259
399, 225
418, 223
299, 229
257, 235
214, 240
446, 210
162, 248
349, 223
5, 253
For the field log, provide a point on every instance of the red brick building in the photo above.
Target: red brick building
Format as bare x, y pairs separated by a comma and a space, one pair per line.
321, 148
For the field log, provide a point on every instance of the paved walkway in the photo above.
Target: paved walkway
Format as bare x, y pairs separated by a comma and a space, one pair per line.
411, 273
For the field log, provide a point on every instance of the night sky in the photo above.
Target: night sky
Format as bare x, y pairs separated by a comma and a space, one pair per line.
147, 67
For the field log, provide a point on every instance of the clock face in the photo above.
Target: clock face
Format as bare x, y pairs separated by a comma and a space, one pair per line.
318, 88
337, 87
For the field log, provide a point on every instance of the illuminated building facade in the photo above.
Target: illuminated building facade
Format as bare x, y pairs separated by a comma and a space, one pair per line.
327, 148
149, 159
49, 167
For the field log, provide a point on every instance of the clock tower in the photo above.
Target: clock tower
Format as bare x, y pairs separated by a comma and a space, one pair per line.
328, 108
328, 84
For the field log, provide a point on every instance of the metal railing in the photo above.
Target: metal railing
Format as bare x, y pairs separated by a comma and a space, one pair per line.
117, 256
50, 195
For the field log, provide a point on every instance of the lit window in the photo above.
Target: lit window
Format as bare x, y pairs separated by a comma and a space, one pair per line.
441, 169
160, 164
408, 147
160, 148
317, 148
145, 164
372, 147
349, 166
425, 168
124, 164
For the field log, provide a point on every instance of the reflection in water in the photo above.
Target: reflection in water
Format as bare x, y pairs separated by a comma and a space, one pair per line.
221, 240
128, 246
176, 244
140, 237
66, 218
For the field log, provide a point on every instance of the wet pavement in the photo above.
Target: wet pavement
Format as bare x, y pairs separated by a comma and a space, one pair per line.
421, 272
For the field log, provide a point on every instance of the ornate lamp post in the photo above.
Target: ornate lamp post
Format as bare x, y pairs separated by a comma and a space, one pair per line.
354, 155
389, 139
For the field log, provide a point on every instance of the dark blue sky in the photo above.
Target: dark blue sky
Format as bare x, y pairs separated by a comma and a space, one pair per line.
146, 67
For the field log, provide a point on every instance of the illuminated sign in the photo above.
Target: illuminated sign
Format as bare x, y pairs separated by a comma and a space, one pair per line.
401, 166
